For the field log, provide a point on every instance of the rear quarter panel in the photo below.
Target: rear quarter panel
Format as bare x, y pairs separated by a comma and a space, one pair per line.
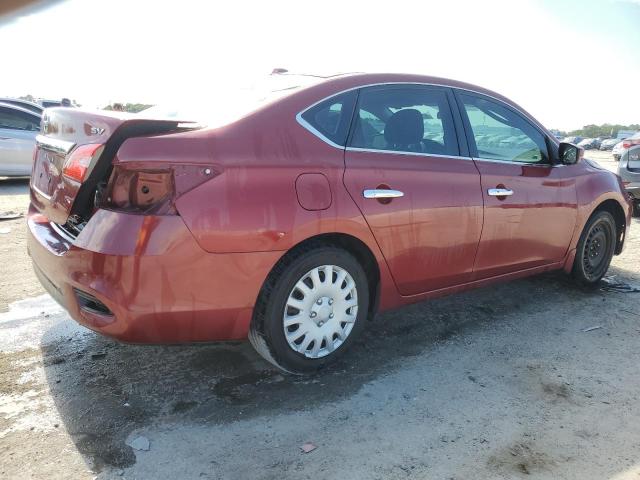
251, 204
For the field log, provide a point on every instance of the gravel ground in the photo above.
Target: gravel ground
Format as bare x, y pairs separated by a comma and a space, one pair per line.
531, 379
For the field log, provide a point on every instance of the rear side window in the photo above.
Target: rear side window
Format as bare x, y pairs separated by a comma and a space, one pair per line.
502, 134
17, 120
331, 117
405, 118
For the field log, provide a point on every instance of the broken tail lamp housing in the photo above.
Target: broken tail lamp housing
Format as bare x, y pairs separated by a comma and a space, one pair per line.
153, 189
76, 166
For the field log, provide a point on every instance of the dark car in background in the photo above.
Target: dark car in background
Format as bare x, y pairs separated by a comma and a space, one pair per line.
589, 143
574, 139
608, 144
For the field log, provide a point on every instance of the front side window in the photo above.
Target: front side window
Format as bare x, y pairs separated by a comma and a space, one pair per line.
404, 119
17, 120
502, 134
331, 117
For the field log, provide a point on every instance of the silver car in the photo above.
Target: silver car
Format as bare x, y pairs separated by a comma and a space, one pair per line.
26, 104
18, 130
629, 171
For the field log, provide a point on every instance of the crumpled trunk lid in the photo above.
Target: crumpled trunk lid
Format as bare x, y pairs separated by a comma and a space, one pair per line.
65, 129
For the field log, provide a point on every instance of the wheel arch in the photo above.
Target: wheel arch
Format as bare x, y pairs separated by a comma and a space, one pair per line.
353, 245
615, 209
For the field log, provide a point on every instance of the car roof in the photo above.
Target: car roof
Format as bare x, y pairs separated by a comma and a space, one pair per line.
18, 109
331, 85
21, 101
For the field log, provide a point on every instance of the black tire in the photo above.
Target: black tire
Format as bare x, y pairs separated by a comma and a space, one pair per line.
267, 333
595, 249
636, 208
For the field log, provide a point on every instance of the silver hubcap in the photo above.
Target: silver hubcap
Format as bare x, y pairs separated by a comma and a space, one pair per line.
320, 311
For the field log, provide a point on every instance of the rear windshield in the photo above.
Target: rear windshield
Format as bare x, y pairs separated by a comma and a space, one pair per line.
216, 109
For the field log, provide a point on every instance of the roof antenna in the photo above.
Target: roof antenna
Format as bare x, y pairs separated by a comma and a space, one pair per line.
279, 71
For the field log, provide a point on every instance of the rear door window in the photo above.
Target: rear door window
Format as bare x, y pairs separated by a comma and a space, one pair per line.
330, 118
404, 118
502, 134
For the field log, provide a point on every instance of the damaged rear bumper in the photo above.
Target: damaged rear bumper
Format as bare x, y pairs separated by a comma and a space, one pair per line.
144, 279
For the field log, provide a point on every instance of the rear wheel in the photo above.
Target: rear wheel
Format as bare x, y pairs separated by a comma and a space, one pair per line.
311, 309
595, 249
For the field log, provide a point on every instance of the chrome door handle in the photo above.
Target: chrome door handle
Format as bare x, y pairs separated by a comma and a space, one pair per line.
382, 193
500, 192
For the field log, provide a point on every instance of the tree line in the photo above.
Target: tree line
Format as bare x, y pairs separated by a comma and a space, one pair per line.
604, 130
127, 107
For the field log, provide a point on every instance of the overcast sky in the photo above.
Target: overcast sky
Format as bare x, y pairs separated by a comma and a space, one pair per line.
569, 63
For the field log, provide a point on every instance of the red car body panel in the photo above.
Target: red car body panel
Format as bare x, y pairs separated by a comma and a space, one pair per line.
148, 280
519, 235
195, 276
430, 236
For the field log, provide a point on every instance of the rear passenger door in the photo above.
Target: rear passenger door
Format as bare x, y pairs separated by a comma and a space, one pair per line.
530, 203
415, 185
18, 132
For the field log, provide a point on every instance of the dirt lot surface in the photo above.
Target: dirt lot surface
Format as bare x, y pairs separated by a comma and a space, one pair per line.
535, 378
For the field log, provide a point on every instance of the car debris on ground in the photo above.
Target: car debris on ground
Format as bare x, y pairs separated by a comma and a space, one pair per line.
610, 284
139, 443
9, 215
308, 447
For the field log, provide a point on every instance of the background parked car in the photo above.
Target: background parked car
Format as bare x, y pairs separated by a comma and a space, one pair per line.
631, 141
617, 151
621, 147
575, 140
18, 130
589, 143
65, 102
558, 134
608, 144
624, 134
629, 171
26, 104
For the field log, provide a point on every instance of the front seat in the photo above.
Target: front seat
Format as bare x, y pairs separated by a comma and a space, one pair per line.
404, 131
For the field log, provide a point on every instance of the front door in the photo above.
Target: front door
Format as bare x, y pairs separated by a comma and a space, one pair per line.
421, 199
530, 204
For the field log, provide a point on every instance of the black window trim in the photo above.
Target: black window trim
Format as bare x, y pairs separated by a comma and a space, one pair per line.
304, 123
459, 120
473, 149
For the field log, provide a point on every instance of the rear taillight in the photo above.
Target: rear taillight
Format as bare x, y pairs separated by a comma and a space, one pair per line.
152, 189
76, 166
630, 142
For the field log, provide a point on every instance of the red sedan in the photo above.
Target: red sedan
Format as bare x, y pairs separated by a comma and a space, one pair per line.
294, 222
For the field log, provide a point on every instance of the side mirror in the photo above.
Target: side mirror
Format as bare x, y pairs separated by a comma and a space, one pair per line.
570, 154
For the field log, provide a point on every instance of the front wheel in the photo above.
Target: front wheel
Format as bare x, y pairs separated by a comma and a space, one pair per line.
595, 249
311, 308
